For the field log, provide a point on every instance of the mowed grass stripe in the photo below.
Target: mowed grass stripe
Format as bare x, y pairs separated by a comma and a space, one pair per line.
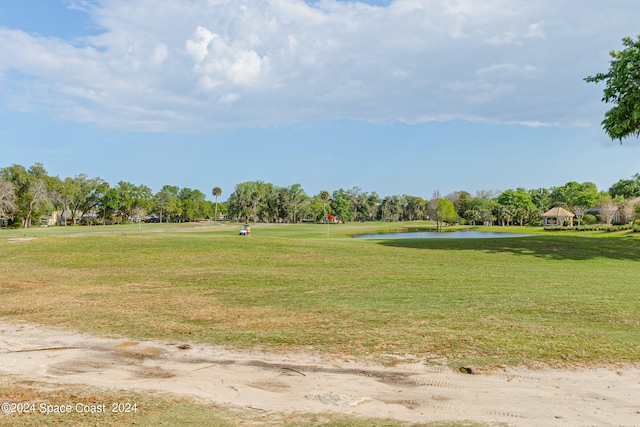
548, 299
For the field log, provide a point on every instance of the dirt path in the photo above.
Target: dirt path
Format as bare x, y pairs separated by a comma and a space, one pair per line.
410, 391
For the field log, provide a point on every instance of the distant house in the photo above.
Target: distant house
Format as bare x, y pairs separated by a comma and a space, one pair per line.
47, 220
635, 202
620, 216
557, 217
627, 214
600, 213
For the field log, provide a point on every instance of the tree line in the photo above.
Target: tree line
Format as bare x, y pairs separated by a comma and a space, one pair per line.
27, 194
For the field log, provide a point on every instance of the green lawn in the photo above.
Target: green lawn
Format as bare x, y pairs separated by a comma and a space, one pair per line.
553, 299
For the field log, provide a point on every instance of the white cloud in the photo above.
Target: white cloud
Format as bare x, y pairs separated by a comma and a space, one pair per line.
219, 63
535, 31
198, 46
507, 71
160, 54
196, 64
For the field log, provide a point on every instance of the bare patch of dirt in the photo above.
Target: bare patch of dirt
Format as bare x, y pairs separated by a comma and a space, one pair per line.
412, 391
21, 239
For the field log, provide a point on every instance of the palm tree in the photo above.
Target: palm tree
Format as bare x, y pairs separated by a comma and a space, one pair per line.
325, 196
217, 191
473, 216
503, 214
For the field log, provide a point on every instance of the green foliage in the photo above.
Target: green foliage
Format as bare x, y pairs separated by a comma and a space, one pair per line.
390, 208
515, 205
414, 208
541, 198
461, 201
575, 194
193, 205
167, 202
27, 194
589, 219
536, 222
341, 206
245, 201
626, 188
291, 202
216, 192
622, 88
445, 212
133, 198
480, 211
82, 194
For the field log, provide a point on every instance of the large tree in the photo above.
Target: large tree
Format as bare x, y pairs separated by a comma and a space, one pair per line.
627, 188
249, 200
30, 191
167, 202
579, 212
575, 194
517, 206
193, 204
622, 89
608, 209
38, 197
391, 208
414, 208
133, 197
461, 201
341, 206
82, 194
108, 205
288, 201
7, 197
481, 209
445, 212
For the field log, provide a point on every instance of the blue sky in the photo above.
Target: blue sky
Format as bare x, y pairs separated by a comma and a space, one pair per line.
395, 96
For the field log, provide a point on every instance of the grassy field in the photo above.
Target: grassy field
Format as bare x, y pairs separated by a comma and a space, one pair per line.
551, 299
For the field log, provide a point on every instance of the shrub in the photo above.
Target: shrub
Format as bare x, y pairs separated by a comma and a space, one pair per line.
619, 227
536, 222
589, 219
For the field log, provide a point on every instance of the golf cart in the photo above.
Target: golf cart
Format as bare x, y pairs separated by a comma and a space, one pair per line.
246, 230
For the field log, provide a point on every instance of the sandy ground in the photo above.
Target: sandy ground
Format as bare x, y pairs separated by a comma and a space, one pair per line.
409, 391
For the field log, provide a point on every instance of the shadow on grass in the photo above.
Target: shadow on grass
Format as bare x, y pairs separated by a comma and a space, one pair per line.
548, 247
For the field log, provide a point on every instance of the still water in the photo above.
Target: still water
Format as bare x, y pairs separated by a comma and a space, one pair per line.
443, 235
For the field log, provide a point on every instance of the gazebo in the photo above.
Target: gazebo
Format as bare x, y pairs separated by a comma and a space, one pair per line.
557, 217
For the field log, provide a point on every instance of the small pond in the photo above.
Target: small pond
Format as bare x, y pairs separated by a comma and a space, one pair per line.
443, 235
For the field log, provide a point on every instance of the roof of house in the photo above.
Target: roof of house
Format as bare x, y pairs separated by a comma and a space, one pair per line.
558, 212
